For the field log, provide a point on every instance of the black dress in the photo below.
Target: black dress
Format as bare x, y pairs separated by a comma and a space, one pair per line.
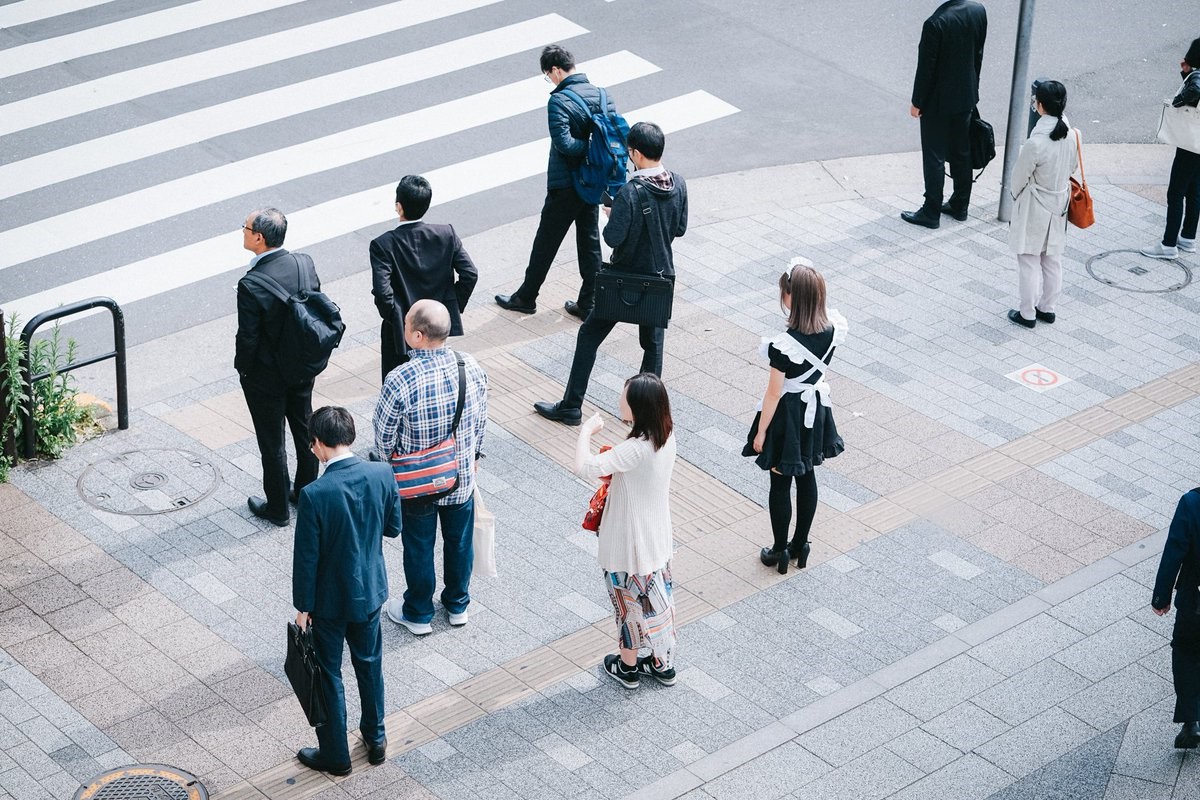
802, 433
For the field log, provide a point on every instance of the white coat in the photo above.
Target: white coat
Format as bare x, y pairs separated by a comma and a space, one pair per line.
1040, 190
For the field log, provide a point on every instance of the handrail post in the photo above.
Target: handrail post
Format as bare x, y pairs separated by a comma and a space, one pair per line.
119, 347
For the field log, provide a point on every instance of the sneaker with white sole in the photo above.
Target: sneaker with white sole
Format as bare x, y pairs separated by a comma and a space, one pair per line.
1159, 250
647, 667
395, 612
615, 669
1185, 245
457, 620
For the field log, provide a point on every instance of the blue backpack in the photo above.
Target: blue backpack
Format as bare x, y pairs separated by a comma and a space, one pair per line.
603, 169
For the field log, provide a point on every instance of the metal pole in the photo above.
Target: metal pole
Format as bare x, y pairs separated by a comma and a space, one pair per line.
1017, 101
119, 346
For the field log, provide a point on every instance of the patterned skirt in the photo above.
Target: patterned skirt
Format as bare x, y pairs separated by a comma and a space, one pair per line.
645, 611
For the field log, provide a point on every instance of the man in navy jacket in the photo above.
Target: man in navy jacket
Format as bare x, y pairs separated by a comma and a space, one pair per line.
339, 582
1179, 569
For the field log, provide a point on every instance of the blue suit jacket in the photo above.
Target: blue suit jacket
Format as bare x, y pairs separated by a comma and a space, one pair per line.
338, 570
1179, 567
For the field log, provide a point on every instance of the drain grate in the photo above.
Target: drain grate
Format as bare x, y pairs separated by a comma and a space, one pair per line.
143, 782
155, 481
1134, 272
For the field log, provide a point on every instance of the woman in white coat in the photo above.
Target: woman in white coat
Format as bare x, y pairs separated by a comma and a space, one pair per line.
1038, 233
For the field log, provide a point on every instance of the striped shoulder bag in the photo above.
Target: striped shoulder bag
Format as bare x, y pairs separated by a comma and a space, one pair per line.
432, 472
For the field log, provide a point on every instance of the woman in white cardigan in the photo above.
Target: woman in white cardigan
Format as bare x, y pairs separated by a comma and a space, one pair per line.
1038, 232
635, 531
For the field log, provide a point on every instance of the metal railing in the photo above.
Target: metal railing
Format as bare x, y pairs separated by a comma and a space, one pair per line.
29, 432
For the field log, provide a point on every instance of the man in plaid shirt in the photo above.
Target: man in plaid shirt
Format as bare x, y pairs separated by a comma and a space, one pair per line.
415, 411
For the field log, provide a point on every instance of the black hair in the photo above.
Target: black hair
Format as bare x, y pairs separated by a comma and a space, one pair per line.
1193, 55
332, 426
272, 224
647, 138
651, 408
413, 193
555, 55
1053, 97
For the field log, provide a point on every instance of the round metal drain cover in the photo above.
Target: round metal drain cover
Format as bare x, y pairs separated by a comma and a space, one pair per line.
1134, 272
143, 782
152, 481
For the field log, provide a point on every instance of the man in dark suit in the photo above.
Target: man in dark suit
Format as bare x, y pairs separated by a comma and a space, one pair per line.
269, 396
945, 91
1179, 569
339, 582
417, 260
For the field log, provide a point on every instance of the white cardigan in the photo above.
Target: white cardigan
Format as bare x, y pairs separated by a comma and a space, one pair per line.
1039, 187
635, 531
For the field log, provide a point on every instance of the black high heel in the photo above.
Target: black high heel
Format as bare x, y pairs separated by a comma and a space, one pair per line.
775, 558
801, 557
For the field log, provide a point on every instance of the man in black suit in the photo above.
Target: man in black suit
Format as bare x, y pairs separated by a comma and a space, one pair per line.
415, 261
1179, 569
269, 396
945, 91
339, 582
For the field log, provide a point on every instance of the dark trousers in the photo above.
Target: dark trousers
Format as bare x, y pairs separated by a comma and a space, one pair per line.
779, 504
391, 352
366, 656
562, 208
1185, 665
591, 334
268, 410
1183, 189
945, 139
420, 520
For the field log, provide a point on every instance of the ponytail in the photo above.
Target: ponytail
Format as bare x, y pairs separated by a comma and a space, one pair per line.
1053, 97
1060, 130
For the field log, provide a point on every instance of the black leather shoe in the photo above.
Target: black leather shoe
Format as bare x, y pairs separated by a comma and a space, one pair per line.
510, 302
555, 412
951, 211
576, 310
311, 758
775, 558
1189, 736
920, 218
377, 754
258, 507
294, 497
1044, 316
1015, 316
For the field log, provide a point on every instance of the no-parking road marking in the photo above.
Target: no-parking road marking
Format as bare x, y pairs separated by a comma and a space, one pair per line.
1038, 378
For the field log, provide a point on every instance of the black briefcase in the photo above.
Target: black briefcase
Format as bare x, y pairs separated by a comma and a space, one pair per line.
633, 297
983, 141
304, 673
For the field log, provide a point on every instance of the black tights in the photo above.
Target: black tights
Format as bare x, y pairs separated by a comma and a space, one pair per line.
779, 504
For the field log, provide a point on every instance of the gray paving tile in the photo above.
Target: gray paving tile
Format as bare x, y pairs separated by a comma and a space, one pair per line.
1031, 691
772, 775
1110, 649
1118, 697
871, 725
943, 687
876, 774
923, 750
966, 778
1036, 742
1026, 644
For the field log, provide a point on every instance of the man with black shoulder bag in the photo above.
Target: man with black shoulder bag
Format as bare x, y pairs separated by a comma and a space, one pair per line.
647, 215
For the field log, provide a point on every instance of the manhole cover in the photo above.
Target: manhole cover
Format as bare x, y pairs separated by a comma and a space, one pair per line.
148, 482
1134, 272
143, 782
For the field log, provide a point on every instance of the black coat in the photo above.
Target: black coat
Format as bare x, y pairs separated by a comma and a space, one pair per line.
950, 58
627, 231
418, 261
570, 127
261, 316
1179, 568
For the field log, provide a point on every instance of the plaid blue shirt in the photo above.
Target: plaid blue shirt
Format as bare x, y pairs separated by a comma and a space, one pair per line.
416, 409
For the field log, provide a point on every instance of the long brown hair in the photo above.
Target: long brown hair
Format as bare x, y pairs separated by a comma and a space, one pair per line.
806, 289
651, 408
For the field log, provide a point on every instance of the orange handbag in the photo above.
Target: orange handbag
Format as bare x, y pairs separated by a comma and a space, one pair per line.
1079, 204
591, 518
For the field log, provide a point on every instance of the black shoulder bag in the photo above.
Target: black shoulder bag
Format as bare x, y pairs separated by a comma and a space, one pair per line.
636, 297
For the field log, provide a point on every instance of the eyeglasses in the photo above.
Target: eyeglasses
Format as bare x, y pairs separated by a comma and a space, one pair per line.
248, 228
546, 77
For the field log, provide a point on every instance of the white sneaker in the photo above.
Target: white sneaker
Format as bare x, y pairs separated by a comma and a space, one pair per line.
1186, 245
395, 612
1157, 250
458, 620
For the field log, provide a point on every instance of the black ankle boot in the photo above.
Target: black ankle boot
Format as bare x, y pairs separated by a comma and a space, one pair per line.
775, 558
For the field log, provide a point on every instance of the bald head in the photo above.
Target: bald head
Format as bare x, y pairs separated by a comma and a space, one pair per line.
426, 325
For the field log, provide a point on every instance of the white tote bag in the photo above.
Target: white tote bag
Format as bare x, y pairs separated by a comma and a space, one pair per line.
484, 539
1180, 126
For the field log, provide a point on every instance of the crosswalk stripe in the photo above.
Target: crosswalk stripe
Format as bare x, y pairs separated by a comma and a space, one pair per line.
246, 112
27, 11
121, 87
134, 30
57, 233
215, 256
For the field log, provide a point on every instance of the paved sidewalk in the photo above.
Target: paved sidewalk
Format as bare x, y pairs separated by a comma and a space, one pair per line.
974, 622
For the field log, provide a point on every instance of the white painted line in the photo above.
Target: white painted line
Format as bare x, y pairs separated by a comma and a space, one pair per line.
121, 87
220, 254
955, 565
275, 104
834, 622
27, 11
134, 30
126, 212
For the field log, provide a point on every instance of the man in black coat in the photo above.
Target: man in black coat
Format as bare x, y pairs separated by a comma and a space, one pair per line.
945, 91
270, 397
417, 260
570, 126
1179, 569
